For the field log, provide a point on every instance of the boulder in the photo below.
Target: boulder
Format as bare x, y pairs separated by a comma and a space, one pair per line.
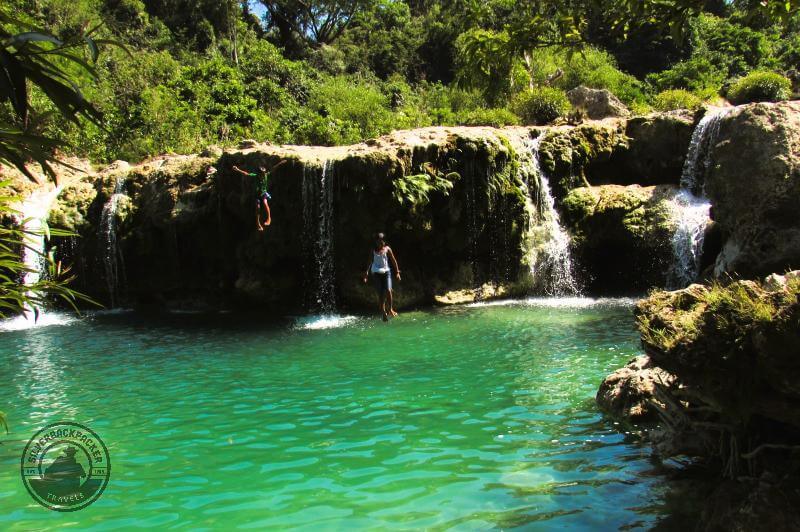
570, 157
621, 236
597, 103
629, 392
754, 186
654, 153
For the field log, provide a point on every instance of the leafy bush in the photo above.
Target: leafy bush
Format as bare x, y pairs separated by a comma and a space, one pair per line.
672, 99
357, 109
496, 117
540, 105
760, 86
697, 74
591, 67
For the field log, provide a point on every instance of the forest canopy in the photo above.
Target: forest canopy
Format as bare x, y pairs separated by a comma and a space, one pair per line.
191, 73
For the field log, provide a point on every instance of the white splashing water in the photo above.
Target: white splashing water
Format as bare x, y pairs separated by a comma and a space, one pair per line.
112, 254
691, 209
550, 258
318, 228
34, 211
326, 321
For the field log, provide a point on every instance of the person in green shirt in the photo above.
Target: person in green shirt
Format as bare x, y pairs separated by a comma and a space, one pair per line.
261, 193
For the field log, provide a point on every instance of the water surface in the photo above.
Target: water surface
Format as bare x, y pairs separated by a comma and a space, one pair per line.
472, 418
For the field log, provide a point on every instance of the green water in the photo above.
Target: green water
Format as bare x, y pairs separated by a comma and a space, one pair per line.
471, 418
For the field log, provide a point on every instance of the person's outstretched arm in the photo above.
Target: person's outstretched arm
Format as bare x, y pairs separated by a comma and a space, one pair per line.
240, 170
277, 165
395, 266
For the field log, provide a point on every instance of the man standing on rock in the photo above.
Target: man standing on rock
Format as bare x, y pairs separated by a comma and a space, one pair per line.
262, 196
381, 273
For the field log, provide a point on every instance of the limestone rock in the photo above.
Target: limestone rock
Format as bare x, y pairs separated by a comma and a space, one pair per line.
754, 187
450, 200
621, 235
629, 392
597, 103
655, 151
570, 156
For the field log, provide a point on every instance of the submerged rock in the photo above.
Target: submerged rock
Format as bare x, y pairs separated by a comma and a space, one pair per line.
630, 392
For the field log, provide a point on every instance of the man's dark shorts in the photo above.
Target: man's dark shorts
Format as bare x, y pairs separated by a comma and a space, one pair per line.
383, 282
260, 199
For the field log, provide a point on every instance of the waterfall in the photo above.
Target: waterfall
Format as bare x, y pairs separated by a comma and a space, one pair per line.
691, 207
33, 218
317, 195
550, 258
112, 254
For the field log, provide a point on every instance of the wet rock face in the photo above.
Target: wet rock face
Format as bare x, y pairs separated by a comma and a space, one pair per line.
754, 187
630, 392
621, 236
655, 151
450, 202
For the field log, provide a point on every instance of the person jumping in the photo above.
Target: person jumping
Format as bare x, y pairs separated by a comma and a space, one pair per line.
382, 275
262, 196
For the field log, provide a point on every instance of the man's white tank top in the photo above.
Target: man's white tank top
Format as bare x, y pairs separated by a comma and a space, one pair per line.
380, 261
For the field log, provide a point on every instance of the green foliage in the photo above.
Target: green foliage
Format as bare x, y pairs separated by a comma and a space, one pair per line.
34, 58
416, 189
673, 99
720, 49
540, 105
760, 86
496, 117
207, 72
697, 74
16, 299
347, 111
591, 67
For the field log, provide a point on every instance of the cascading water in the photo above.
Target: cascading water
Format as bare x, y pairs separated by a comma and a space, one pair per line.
33, 215
691, 207
318, 229
550, 258
112, 254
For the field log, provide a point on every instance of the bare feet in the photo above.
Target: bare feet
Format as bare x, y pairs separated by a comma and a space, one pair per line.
261, 228
393, 313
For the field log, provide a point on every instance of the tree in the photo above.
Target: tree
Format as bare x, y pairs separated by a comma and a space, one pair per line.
308, 23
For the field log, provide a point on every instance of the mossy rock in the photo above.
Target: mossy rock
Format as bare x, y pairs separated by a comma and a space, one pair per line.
621, 235
70, 211
569, 155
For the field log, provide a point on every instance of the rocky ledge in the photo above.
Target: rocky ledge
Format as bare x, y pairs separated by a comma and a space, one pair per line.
722, 373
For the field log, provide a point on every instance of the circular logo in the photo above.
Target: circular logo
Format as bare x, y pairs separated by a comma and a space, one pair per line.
65, 466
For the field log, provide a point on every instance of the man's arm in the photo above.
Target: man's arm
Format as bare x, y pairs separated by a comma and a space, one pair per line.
277, 165
395, 266
240, 170
369, 267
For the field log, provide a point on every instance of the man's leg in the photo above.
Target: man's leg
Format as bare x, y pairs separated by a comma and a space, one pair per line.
390, 302
268, 220
258, 217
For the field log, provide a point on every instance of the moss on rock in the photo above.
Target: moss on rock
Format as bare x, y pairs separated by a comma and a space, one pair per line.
567, 155
71, 208
621, 235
